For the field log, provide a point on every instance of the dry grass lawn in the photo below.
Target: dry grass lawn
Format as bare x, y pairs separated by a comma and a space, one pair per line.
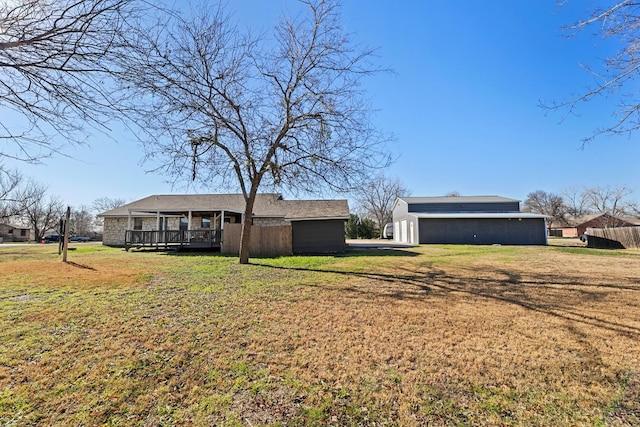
435, 335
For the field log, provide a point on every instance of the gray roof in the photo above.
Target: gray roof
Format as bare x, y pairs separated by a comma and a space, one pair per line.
315, 209
574, 221
266, 205
631, 219
457, 199
15, 227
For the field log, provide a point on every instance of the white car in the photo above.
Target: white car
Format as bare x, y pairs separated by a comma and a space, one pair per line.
387, 233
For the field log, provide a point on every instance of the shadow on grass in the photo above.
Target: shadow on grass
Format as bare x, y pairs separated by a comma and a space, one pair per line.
75, 264
349, 253
357, 252
548, 294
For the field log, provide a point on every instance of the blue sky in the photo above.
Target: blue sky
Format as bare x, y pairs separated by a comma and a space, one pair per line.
462, 103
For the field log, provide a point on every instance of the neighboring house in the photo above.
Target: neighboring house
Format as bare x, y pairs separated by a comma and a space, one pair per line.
213, 220
482, 220
577, 225
12, 233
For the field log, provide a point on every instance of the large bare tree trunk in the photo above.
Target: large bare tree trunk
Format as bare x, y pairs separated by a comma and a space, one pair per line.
245, 236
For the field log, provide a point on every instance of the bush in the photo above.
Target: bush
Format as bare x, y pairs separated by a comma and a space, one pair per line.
358, 228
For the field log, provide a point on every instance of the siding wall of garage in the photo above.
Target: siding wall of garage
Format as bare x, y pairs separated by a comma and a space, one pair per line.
318, 236
400, 221
483, 231
464, 207
411, 228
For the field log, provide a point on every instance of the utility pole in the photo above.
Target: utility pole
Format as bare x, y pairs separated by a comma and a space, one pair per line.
66, 234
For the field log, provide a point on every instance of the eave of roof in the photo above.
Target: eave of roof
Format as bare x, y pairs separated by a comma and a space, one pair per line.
323, 218
269, 205
175, 203
16, 227
479, 215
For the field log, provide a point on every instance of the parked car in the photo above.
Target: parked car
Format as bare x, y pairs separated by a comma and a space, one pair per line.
51, 238
387, 233
79, 238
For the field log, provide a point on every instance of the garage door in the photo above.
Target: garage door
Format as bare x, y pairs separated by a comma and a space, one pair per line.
318, 236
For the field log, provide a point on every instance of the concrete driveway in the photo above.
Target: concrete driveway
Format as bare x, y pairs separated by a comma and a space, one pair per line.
376, 244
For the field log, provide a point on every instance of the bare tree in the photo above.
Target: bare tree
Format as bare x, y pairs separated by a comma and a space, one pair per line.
377, 197
616, 77
575, 201
39, 210
82, 221
9, 187
608, 199
57, 59
634, 208
16, 194
544, 203
605, 199
103, 204
252, 113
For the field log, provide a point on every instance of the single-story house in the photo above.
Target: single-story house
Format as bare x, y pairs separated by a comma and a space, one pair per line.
576, 226
213, 220
482, 220
13, 233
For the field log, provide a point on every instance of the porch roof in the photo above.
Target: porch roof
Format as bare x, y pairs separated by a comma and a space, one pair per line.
172, 203
266, 205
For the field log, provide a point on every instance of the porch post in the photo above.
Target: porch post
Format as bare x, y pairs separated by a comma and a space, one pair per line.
221, 236
129, 221
158, 220
189, 222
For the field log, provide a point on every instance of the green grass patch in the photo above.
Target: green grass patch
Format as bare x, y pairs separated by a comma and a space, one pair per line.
434, 335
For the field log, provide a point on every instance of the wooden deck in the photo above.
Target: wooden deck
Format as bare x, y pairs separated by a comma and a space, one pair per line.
172, 239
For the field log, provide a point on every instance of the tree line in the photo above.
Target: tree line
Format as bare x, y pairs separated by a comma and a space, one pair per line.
27, 203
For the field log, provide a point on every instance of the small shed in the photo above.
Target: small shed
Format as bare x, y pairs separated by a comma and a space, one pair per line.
15, 233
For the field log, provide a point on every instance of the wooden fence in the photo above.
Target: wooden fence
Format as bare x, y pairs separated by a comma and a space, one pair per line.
266, 241
614, 238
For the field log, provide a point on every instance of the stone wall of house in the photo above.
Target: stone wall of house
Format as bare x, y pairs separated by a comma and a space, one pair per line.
270, 222
173, 223
114, 229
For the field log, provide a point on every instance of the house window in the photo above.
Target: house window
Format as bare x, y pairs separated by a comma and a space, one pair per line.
184, 224
137, 223
23, 232
11, 231
205, 222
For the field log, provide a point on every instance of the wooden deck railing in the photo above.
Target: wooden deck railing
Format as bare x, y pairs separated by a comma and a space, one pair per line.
172, 238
